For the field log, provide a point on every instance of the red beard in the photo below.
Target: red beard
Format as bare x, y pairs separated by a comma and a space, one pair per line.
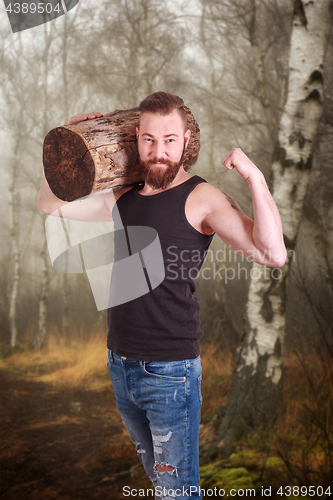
160, 177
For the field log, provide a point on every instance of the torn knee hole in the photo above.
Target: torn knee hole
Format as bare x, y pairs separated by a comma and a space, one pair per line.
164, 468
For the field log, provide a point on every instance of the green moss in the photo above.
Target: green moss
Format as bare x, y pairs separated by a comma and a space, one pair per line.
227, 478
247, 458
274, 462
246, 469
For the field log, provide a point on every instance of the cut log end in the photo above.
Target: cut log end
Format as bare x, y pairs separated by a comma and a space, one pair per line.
68, 165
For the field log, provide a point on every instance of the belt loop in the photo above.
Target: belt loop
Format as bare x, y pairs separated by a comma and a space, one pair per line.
111, 357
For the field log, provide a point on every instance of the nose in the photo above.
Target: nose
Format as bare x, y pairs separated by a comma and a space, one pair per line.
159, 149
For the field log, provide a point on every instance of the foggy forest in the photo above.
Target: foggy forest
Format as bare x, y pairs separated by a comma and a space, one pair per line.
258, 75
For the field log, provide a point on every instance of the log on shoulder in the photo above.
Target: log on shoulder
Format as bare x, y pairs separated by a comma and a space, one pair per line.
101, 154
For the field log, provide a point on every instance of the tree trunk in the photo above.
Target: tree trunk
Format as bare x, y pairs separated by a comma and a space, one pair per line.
144, 87
14, 237
14, 99
45, 282
65, 307
211, 99
41, 333
256, 386
260, 67
95, 155
64, 66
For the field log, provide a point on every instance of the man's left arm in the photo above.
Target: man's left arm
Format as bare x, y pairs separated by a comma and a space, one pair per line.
260, 239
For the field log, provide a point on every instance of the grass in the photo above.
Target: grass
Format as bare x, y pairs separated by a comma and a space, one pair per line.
82, 361
216, 368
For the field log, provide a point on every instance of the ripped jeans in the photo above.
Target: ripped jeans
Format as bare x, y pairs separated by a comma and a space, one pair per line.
160, 402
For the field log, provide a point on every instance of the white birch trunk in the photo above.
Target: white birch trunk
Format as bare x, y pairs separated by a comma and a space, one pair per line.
45, 285
15, 119
14, 238
254, 395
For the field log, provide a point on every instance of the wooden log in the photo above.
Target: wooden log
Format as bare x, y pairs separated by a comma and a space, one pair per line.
100, 154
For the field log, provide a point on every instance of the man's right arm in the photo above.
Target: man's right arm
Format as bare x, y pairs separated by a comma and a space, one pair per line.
94, 208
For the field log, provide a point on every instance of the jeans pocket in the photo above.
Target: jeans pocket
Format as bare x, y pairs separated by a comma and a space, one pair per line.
173, 371
199, 388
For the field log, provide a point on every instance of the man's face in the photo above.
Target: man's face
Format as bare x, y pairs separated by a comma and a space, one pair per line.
161, 143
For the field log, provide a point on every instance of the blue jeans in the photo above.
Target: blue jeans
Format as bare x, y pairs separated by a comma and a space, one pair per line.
160, 402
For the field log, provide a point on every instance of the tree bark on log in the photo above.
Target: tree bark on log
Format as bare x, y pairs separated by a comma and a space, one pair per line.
101, 154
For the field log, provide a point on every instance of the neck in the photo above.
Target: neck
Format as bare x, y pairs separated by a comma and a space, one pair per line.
181, 177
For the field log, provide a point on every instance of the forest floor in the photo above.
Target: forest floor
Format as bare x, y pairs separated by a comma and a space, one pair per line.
61, 442
62, 437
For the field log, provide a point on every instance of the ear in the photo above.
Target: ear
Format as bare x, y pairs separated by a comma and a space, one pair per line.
187, 136
137, 132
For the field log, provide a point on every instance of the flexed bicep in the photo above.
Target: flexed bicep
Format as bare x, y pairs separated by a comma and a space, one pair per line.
232, 202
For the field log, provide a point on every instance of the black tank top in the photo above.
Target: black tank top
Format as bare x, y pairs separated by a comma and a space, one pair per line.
163, 324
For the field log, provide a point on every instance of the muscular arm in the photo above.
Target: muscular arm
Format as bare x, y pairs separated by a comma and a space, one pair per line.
260, 239
95, 208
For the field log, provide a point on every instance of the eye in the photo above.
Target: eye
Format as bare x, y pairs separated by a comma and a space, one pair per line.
148, 139
170, 140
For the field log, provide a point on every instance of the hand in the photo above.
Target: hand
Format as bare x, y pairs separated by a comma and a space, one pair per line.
238, 160
80, 117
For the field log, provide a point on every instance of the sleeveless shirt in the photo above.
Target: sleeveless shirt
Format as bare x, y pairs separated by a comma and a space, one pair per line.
163, 324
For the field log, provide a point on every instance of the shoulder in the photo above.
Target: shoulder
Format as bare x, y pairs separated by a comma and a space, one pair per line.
113, 196
207, 201
120, 192
206, 194
203, 201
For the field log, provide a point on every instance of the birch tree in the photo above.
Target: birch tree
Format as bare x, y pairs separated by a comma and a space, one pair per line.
256, 385
16, 91
14, 208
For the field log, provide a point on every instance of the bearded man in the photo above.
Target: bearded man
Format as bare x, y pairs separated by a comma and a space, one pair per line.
154, 340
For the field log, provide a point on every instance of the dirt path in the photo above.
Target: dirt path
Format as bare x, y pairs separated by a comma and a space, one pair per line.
63, 443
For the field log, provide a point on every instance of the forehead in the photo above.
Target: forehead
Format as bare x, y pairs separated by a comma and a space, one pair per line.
157, 124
